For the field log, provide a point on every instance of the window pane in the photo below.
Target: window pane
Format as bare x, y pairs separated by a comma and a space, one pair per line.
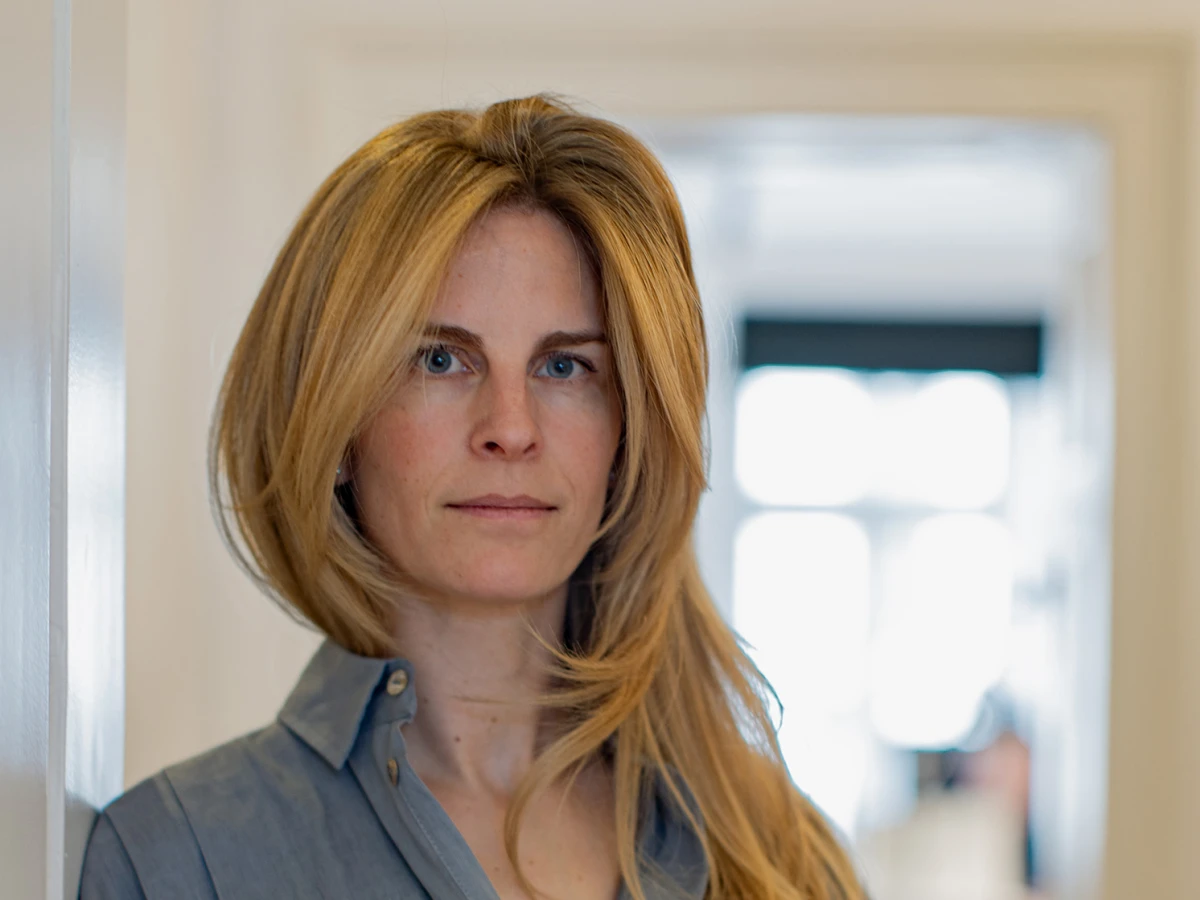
802, 601
941, 637
947, 443
804, 436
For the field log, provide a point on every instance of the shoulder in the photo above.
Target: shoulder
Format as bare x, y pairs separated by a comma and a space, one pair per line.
141, 846
108, 872
150, 841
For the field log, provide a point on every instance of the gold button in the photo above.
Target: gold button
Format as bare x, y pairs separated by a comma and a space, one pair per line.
393, 772
398, 682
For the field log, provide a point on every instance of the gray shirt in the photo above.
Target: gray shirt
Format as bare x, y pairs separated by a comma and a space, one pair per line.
323, 803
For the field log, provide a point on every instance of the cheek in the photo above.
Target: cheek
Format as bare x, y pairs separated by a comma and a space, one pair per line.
403, 449
589, 431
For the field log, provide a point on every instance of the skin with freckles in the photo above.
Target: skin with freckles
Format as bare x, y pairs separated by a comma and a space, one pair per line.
506, 417
513, 394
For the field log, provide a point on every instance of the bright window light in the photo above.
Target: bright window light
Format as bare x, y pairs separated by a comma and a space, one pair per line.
802, 600
941, 638
947, 443
804, 436
828, 761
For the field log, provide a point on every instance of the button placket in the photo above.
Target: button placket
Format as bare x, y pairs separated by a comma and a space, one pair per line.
418, 825
397, 683
397, 753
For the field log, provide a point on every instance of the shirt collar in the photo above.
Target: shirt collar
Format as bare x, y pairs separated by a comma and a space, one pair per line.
338, 689
328, 704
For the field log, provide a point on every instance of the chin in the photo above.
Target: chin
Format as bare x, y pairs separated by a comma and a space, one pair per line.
505, 581
492, 594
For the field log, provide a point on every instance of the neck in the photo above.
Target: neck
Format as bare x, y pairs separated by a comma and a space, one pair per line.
477, 674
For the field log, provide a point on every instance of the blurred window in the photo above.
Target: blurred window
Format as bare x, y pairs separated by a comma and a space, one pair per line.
874, 571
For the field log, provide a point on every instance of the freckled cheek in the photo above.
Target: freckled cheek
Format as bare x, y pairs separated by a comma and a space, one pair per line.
587, 436
410, 449
594, 405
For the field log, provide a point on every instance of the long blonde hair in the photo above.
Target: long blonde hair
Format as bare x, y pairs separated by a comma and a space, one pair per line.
652, 674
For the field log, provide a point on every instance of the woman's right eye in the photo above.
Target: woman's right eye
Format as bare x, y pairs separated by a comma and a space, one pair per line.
437, 359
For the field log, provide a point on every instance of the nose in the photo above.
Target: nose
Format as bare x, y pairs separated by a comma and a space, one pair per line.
506, 426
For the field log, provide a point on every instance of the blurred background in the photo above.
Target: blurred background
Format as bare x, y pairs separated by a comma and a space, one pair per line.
907, 516
941, 248
904, 511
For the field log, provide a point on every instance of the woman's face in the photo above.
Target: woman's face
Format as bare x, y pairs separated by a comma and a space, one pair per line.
512, 402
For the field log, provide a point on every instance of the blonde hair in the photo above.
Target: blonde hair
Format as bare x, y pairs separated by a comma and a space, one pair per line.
651, 671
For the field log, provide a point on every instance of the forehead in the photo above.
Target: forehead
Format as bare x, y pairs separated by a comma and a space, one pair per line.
520, 266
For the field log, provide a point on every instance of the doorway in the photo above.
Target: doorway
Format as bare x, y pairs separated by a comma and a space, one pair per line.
904, 444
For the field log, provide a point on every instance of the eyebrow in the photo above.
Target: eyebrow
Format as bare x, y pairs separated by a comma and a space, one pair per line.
555, 339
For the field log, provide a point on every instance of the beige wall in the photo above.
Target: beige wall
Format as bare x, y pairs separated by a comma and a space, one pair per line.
236, 110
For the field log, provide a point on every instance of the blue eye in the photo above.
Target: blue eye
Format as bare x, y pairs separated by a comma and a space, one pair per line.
565, 366
561, 366
438, 360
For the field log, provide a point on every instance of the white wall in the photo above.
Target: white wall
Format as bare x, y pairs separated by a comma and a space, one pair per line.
207, 657
236, 111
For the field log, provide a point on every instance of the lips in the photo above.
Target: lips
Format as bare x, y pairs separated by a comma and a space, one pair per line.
498, 501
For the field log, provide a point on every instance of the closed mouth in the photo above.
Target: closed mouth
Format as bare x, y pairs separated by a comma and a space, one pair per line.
497, 502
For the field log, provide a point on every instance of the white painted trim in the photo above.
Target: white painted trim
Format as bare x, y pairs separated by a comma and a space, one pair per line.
91, 680
62, 84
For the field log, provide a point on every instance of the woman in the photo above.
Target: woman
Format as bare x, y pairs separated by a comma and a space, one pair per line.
461, 435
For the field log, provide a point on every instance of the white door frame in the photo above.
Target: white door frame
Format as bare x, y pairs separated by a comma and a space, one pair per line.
62, 405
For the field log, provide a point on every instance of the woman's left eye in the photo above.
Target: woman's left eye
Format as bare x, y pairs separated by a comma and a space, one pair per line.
561, 366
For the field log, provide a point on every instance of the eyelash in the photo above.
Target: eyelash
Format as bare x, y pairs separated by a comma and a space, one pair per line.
425, 352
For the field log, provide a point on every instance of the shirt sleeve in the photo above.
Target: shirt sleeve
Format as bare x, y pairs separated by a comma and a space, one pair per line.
107, 869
